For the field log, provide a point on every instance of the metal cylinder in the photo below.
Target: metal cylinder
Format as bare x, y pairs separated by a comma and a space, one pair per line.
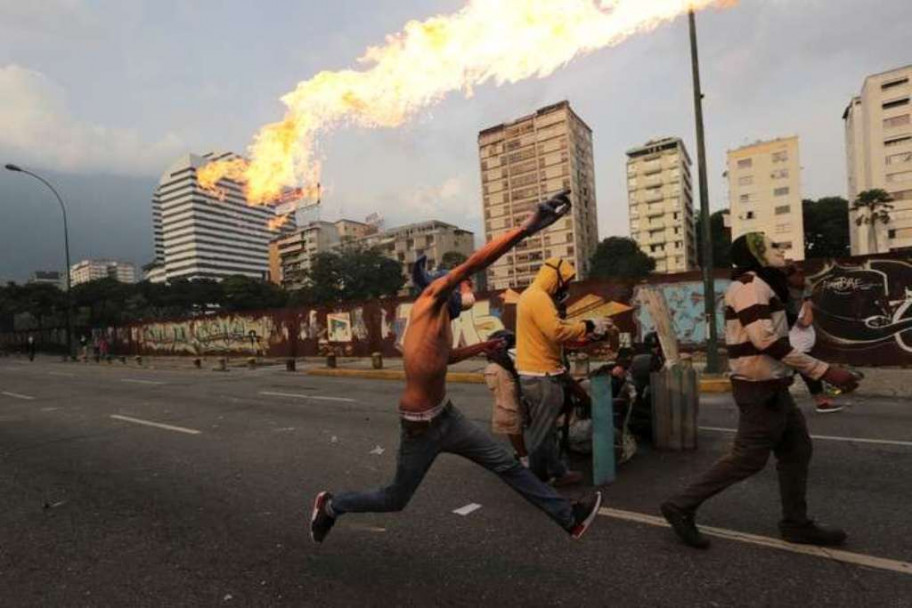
377, 360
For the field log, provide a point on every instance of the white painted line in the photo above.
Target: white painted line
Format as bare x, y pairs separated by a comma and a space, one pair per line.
140, 381
314, 397
858, 559
159, 425
825, 437
469, 508
63, 374
17, 396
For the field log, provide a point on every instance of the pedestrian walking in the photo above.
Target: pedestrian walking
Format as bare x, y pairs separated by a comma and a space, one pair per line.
762, 365
430, 423
802, 337
30, 343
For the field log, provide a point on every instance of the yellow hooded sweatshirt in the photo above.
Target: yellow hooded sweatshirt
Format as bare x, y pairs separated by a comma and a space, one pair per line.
539, 329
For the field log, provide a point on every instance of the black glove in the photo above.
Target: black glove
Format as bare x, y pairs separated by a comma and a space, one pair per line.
548, 212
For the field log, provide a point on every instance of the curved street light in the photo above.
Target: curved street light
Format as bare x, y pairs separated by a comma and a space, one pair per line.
66, 245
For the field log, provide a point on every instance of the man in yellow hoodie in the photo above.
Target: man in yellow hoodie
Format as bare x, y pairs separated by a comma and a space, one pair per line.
540, 334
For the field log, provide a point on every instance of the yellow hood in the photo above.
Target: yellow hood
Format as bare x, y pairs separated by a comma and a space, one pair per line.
546, 279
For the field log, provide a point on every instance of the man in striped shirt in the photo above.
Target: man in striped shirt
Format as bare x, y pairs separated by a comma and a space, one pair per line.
762, 364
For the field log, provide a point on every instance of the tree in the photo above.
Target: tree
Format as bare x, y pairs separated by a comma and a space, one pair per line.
244, 293
721, 239
826, 227
873, 207
105, 300
620, 258
351, 274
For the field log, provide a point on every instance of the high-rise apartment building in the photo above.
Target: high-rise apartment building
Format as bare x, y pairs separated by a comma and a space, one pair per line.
199, 235
92, 270
660, 195
764, 190
878, 134
48, 277
524, 162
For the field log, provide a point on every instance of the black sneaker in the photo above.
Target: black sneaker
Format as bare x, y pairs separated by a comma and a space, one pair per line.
682, 522
584, 513
812, 534
320, 521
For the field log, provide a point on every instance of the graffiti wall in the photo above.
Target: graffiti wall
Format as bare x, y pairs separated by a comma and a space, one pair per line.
686, 304
863, 315
863, 312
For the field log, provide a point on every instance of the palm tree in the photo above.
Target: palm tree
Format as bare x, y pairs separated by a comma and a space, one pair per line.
876, 203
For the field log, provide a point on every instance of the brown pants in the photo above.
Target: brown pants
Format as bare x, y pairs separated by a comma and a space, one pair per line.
769, 421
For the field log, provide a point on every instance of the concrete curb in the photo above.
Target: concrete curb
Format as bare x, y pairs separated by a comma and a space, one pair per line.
707, 385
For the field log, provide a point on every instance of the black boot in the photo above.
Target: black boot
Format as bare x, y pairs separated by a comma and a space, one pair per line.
682, 522
811, 533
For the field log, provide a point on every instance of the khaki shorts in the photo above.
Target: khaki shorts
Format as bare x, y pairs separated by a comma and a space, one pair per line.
506, 422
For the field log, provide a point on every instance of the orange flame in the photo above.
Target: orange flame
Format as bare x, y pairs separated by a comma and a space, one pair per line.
503, 41
278, 221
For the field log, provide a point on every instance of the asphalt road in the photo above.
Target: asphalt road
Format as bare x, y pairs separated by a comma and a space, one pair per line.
97, 510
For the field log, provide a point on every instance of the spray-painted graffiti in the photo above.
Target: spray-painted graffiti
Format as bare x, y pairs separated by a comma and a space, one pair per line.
685, 303
472, 326
864, 307
216, 335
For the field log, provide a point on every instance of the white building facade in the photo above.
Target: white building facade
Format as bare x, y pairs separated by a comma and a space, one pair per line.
764, 190
92, 270
878, 136
660, 195
198, 235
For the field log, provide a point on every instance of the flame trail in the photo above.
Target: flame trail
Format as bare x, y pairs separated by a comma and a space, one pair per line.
503, 41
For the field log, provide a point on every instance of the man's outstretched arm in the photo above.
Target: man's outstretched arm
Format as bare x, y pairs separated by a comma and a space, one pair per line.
546, 214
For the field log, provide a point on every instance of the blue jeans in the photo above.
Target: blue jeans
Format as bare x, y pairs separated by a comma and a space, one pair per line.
544, 396
452, 432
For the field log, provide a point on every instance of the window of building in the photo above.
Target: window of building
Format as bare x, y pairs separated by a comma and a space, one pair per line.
780, 191
902, 157
783, 209
896, 121
745, 163
749, 215
903, 176
895, 103
746, 198
780, 228
780, 157
747, 180
891, 234
893, 84
896, 141
780, 174
902, 195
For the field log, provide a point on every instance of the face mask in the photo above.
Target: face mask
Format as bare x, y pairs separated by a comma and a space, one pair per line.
765, 251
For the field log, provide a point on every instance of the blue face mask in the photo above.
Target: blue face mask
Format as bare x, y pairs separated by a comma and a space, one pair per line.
422, 278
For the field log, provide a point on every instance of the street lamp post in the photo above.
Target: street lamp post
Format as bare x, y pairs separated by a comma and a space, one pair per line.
66, 246
709, 291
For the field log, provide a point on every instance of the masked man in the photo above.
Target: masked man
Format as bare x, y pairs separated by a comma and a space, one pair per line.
762, 365
430, 424
540, 332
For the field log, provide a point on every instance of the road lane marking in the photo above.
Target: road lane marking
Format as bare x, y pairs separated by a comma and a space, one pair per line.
159, 425
825, 437
17, 396
314, 397
858, 559
469, 508
63, 374
140, 381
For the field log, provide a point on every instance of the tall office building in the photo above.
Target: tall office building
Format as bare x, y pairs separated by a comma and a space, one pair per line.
660, 196
198, 235
523, 163
764, 190
92, 270
878, 133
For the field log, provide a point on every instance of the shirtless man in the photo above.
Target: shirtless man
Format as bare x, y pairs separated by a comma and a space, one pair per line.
431, 424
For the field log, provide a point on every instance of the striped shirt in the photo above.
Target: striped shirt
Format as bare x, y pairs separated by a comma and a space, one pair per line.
757, 334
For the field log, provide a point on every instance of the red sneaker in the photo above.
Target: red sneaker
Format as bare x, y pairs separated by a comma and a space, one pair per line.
584, 513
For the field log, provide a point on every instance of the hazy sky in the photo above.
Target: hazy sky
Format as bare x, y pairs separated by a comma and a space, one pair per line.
104, 94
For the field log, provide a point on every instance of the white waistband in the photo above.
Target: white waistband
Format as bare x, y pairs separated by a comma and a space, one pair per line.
559, 372
426, 414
